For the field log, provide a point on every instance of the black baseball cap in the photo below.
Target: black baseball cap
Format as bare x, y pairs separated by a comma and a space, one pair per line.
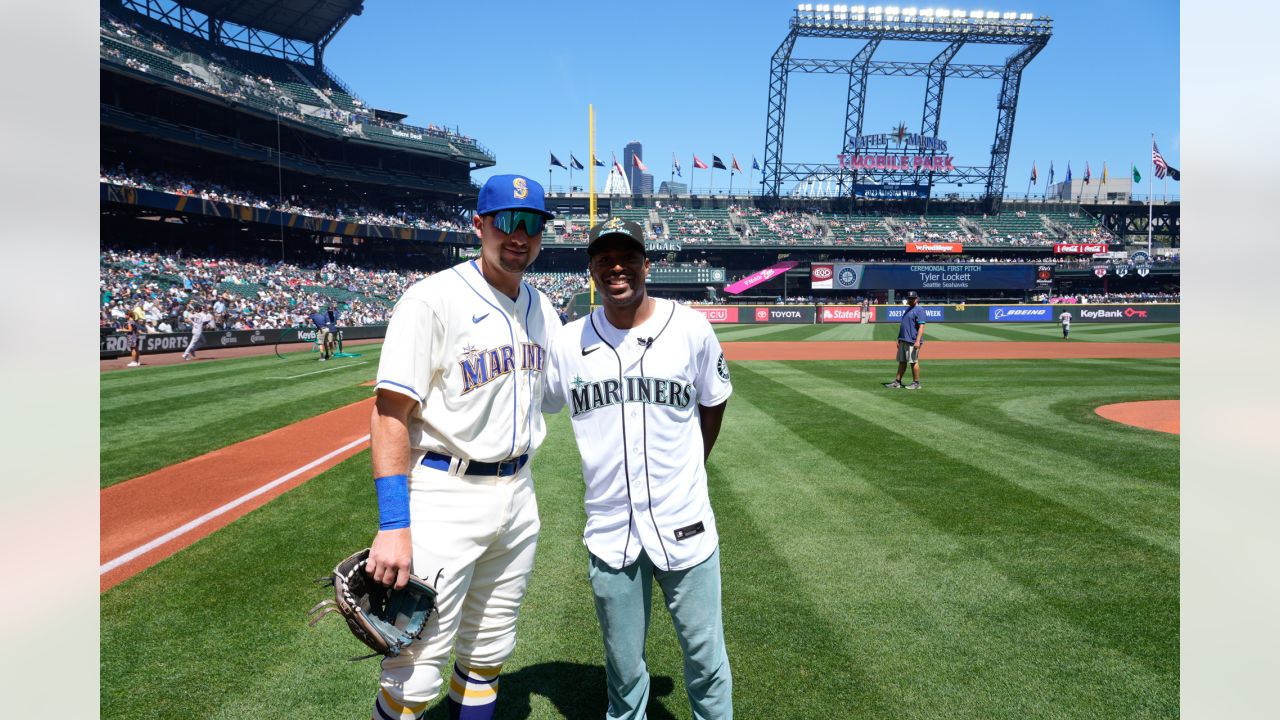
615, 226
912, 294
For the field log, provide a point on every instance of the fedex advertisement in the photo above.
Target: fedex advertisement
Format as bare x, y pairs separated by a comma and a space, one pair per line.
1020, 313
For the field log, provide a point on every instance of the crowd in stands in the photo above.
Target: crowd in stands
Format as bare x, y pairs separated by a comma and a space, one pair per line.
421, 218
250, 293
229, 80
1097, 298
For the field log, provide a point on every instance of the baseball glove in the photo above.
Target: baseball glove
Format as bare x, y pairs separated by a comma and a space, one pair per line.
385, 619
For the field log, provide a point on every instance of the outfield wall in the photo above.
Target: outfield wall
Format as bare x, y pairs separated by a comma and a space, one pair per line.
112, 346
996, 314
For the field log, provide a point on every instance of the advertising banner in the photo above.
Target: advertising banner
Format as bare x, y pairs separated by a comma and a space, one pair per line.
932, 313
716, 314
891, 192
934, 247
821, 275
756, 278
1124, 313
116, 344
1020, 313
1079, 248
889, 276
784, 314
845, 314
1044, 275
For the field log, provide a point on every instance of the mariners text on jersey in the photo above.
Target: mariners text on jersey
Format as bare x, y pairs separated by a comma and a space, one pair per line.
480, 367
586, 396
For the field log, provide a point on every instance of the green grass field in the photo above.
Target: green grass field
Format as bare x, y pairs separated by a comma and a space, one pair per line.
985, 548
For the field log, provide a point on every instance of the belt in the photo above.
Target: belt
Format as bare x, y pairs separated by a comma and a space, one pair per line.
440, 461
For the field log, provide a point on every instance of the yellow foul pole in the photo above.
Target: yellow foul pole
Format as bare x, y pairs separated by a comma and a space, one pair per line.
591, 150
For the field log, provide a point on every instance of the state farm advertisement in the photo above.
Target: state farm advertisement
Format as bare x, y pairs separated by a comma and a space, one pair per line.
718, 313
846, 314
1079, 248
934, 247
820, 275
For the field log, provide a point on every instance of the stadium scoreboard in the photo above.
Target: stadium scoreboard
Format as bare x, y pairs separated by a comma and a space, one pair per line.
685, 275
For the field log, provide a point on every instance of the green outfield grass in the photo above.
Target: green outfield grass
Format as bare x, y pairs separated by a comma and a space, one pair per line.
154, 416
1026, 332
984, 548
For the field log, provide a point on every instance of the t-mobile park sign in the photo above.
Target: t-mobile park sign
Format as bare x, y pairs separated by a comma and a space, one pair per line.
866, 157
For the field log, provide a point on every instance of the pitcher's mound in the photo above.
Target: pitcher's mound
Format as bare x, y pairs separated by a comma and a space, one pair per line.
1159, 415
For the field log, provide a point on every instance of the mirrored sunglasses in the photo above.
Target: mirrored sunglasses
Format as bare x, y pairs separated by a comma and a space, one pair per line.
508, 220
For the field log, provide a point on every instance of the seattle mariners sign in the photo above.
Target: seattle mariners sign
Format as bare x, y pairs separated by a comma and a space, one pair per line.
902, 139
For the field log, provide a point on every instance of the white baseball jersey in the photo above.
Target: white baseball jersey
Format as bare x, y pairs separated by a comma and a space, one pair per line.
474, 360
199, 321
633, 397
1065, 318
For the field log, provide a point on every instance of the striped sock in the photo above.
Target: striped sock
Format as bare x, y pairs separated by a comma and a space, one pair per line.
386, 707
473, 693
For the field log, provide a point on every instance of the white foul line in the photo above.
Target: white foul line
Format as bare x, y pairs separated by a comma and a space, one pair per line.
317, 372
144, 549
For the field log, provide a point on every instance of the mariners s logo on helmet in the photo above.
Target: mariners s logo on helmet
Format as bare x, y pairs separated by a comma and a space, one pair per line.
522, 188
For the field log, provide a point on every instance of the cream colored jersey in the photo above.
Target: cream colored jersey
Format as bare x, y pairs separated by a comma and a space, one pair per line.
633, 398
474, 359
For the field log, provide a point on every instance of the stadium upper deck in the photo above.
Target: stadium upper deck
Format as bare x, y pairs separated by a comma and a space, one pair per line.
296, 92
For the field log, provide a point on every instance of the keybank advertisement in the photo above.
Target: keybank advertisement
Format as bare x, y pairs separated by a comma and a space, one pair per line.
1020, 313
932, 313
890, 276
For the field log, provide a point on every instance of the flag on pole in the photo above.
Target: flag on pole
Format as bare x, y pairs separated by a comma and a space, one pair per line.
1161, 166
635, 160
1068, 180
675, 165
717, 163
1050, 182
1033, 173
596, 161
754, 165
573, 162
1173, 172
734, 163
618, 166
556, 161
1104, 172
1087, 174
1137, 177
699, 164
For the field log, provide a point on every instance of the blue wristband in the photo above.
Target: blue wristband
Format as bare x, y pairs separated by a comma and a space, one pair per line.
393, 502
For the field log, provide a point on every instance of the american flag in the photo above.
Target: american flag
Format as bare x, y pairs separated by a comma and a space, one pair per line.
1161, 166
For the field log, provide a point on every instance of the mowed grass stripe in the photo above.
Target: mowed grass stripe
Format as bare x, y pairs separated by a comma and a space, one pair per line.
140, 433
913, 607
1123, 592
1087, 483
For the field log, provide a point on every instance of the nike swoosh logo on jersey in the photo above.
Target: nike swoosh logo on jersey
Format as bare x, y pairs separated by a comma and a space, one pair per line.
478, 318
586, 352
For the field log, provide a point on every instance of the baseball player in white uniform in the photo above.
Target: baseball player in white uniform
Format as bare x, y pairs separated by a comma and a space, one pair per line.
199, 320
646, 385
458, 416
1065, 320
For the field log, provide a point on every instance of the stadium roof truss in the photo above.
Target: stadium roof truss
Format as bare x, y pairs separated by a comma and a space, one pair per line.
295, 30
874, 25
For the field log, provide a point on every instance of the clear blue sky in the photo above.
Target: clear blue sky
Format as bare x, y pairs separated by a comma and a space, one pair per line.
688, 77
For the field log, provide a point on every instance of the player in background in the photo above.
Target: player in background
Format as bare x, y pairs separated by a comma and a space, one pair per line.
910, 335
200, 318
326, 322
457, 418
646, 384
1065, 320
135, 328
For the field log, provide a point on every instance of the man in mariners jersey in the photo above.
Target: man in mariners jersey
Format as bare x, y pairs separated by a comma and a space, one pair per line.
457, 417
646, 385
